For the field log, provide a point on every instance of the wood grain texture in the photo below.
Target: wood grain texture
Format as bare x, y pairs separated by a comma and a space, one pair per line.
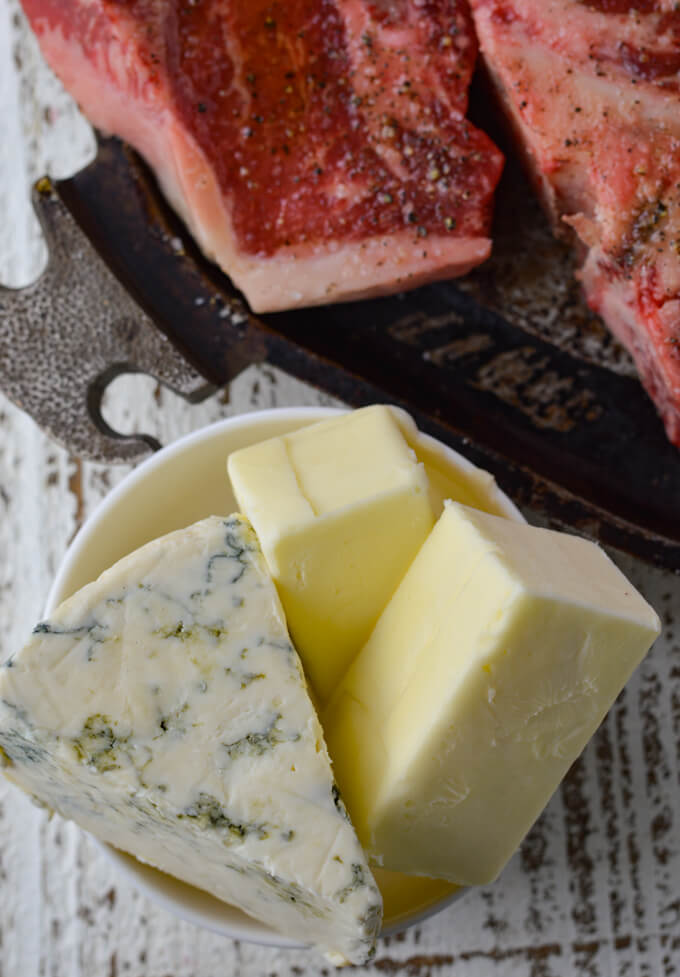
595, 889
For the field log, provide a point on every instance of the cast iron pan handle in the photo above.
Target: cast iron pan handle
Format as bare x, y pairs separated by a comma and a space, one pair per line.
66, 336
567, 437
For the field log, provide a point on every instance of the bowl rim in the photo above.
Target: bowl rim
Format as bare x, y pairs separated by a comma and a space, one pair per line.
166, 453
137, 474
253, 931
262, 935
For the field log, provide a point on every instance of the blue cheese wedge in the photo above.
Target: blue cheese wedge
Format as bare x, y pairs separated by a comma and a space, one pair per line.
164, 709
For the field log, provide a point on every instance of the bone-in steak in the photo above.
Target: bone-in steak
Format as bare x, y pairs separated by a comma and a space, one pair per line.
317, 149
593, 92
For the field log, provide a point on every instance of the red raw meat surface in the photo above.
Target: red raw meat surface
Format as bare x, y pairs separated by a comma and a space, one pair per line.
593, 93
317, 149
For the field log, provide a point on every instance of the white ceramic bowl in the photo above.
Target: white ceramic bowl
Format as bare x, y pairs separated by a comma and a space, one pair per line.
185, 482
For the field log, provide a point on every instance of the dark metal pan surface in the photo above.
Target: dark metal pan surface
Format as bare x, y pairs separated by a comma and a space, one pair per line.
506, 365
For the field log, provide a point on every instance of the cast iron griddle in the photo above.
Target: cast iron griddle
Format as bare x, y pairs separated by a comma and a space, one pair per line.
505, 365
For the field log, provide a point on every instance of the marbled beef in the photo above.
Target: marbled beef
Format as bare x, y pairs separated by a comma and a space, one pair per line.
593, 93
317, 149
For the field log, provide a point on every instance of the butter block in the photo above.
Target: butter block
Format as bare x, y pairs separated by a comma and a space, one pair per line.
491, 667
341, 509
164, 709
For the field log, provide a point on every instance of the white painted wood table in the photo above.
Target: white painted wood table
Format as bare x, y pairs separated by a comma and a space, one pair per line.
596, 887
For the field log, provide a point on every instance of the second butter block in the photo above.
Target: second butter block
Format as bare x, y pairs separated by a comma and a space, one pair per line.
341, 509
491, 667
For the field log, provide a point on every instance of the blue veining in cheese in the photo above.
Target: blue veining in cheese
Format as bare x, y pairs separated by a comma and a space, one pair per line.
164, 709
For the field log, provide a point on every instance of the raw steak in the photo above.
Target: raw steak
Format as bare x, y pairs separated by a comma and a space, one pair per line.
317, 149
593, 92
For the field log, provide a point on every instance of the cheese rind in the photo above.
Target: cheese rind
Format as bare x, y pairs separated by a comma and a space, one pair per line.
487, 673
340, 508
164, 709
